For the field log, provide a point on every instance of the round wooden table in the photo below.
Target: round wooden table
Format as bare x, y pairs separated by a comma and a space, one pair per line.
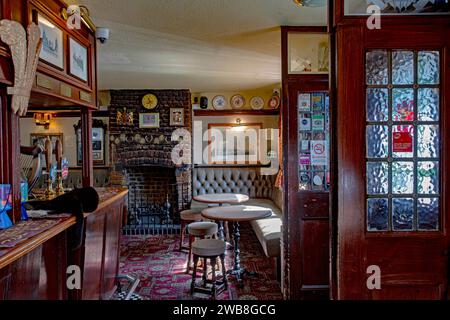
237, 214
221, 199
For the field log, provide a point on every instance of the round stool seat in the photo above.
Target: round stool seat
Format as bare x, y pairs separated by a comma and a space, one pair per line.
199, 229
208, 247
190, 215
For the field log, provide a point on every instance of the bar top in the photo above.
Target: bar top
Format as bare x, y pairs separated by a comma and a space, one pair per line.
9, 255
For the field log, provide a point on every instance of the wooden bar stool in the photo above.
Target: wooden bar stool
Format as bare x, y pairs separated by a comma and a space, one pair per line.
209, 249
188, 216
199, 230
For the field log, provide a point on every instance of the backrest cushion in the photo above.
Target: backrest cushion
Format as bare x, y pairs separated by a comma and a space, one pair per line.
247, 181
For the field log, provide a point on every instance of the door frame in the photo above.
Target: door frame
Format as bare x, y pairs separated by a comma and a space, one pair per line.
293, 235
427, 32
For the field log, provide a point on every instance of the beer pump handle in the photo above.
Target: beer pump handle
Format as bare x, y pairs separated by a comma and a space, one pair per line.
48, 154
58, 154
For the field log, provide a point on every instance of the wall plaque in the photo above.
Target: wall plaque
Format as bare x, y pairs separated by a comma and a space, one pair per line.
85, 96
65, 90
44, 81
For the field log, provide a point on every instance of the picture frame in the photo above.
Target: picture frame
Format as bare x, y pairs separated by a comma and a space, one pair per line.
176, 117
78, 61
99, 129
148, 120
223, 151
52, 51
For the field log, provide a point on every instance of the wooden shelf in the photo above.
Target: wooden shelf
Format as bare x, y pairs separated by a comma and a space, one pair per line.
210, 112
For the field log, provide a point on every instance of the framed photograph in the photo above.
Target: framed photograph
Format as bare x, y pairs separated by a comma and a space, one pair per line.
52, 50
98, 142
177, 117
78, 60
234, 144
149, 120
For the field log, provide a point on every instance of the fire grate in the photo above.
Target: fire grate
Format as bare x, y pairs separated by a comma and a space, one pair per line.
149, 217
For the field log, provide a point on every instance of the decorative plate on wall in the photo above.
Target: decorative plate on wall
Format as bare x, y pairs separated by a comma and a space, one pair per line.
274, 102
219, 103
237, 101
257, 103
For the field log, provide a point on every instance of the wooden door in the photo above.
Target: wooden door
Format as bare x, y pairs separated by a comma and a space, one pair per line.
393, 160
308, 185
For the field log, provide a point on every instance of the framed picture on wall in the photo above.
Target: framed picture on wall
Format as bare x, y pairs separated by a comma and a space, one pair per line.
52, 50
177, 117
234, 144
149, 120
98, 142
78, 65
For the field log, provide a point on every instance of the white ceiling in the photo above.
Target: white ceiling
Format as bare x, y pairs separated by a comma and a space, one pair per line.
202, 45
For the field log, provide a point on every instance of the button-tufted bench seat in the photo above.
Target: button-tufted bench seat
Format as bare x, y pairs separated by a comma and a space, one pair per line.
260, 189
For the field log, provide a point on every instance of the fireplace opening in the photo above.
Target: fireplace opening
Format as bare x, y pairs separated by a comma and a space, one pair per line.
156, 196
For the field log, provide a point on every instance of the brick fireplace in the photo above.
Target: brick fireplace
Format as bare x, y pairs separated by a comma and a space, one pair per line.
158, 189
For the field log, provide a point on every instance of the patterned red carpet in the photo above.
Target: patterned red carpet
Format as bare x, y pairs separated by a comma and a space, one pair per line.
156, 261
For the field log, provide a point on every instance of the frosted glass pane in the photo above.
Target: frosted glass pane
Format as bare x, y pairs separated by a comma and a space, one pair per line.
428, 65
428, 102
377, 178
428, 177
377, 67
377, 104
428, 140
402, 67
403, 141
428, 214
377, 214
403, 104
402, 214
377, 141
403, 177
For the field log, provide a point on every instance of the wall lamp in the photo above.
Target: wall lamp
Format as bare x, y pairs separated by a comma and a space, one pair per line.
42, 119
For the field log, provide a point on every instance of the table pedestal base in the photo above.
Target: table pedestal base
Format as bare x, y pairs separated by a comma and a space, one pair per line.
240, 274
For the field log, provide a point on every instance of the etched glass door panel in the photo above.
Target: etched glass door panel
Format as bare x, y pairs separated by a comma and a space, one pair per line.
403, 140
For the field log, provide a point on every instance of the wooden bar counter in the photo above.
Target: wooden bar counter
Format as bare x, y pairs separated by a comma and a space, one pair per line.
36, 268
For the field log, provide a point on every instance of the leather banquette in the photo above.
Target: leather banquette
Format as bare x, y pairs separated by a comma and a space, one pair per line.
261, 190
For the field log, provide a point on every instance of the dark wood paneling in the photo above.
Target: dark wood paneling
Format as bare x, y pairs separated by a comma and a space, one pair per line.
315, 206
413, 265
351, 160
5, 283
315, 253
53, 269
86, 137
111, 255
93, 256
26, 276
306, 214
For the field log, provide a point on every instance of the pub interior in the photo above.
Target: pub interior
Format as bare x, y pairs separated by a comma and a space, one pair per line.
253, 150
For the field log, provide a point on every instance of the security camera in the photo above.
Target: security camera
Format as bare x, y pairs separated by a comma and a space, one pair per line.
102, 34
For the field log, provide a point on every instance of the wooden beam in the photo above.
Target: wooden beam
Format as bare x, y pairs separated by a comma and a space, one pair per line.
86, 138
